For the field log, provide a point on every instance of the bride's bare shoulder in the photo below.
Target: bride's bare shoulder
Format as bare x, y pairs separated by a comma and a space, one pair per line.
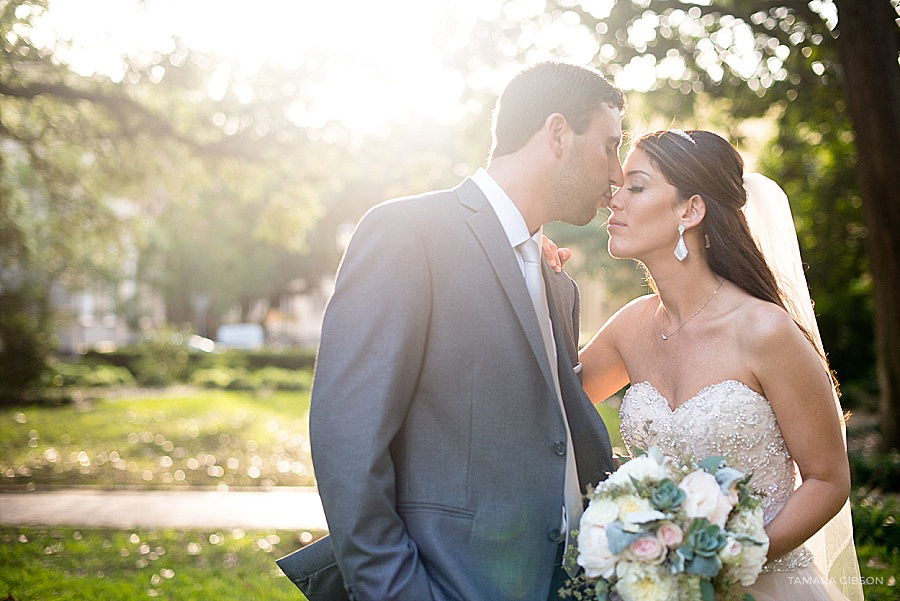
762, 324
639, 309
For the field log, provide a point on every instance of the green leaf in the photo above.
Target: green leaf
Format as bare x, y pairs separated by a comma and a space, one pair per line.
706, 589
703, 566
712, 464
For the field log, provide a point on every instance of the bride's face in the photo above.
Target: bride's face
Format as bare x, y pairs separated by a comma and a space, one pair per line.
643, 221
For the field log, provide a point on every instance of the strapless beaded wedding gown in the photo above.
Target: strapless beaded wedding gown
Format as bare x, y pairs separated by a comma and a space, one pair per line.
732, 420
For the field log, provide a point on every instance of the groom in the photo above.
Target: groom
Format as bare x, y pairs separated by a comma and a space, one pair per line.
450, 434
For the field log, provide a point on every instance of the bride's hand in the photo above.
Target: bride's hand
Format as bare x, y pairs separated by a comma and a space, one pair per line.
556, 257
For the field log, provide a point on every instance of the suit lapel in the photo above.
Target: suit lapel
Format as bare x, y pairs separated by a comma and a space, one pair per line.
559, 334
493, 240
590, 439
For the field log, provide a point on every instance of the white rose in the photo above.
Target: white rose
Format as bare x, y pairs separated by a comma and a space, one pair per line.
593, 552
630, 504
705, 498
644, 582
640, 468
749, 523
731, 552
599, 512
720, 514
751, 562
746, 568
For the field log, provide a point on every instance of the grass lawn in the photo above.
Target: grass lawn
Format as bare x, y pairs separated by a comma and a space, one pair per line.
203, 439
65, 564
880, 570
77, 564
610, 417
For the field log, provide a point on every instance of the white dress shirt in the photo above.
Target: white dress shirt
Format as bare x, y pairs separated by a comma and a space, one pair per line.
517, 232
510, 217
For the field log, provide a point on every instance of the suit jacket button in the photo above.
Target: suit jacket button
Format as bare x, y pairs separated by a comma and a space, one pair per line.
554, 535
559, 447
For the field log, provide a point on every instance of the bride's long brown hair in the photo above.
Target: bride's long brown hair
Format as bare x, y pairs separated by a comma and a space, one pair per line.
703, 163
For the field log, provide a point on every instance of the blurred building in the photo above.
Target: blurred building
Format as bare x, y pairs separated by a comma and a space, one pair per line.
297, 319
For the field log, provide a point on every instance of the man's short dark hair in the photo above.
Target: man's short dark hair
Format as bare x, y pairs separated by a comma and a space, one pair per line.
543, 89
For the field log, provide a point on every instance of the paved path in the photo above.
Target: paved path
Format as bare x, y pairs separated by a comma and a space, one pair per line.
283, 507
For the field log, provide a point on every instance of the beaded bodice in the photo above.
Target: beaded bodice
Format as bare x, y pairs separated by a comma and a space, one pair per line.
728, 419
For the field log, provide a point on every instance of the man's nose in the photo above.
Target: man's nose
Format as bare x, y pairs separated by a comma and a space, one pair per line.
616, 175
606, 199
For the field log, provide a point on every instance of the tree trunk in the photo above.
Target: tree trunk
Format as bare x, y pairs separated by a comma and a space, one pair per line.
868, 41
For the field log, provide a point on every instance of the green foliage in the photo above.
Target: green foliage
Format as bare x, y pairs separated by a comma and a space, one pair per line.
283, 379
218, 377
238, 378
813, 158
76, 565
875, 521
879, 471
693, 46
876, 530
214, 203
286, 359
878, 567
79, 375
704, 79
162, 358
168, 358
24, 346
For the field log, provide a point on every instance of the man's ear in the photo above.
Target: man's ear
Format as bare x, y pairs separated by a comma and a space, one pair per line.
555, 130
692, 211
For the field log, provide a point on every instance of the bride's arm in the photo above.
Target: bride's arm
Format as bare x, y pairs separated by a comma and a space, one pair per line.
799, 389
603, 370
603, 367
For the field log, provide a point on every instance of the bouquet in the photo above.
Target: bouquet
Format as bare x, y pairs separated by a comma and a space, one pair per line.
657, 530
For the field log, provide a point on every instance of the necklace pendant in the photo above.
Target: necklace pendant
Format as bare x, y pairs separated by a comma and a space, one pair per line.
664, 337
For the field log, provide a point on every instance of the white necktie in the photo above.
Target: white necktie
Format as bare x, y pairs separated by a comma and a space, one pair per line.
534, 281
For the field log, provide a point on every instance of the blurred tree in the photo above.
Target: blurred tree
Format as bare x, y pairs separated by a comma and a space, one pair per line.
869, 44
755, 55
172, 129
813, 158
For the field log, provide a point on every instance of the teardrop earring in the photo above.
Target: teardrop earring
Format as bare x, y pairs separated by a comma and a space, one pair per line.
681, 250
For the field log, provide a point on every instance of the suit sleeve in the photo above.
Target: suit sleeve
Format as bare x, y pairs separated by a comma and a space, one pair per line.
373, 339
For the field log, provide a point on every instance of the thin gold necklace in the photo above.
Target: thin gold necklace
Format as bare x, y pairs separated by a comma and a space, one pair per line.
666, 337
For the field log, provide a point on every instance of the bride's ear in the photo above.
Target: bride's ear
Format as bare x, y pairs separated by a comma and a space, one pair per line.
693, 210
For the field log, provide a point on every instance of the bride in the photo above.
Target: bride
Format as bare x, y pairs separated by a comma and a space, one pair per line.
725, 357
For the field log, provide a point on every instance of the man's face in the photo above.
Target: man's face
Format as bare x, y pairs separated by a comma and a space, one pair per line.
589, 168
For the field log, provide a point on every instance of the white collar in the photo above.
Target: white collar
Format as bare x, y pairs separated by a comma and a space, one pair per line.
507, 212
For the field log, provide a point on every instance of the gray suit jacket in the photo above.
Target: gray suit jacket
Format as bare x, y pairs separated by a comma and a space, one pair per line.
437, 439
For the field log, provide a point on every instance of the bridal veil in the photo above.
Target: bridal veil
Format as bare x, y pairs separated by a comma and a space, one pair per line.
769, 216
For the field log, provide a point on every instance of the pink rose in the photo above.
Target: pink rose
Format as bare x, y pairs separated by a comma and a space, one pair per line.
670, 535
647, 549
